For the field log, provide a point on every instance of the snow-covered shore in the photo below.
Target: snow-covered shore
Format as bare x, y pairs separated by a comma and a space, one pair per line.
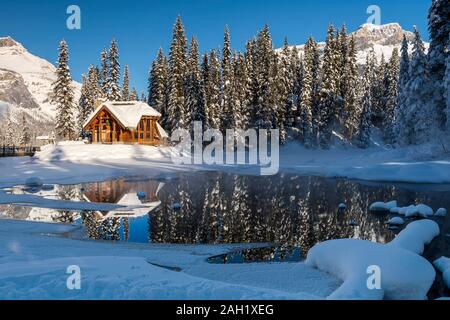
34, 258
77, 162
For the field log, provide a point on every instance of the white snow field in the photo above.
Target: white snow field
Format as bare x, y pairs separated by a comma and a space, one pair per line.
404, 273
34, 258
78, 162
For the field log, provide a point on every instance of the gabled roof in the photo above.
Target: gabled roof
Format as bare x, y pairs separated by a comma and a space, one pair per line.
128, 113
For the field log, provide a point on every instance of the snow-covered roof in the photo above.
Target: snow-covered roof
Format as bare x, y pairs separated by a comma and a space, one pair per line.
128, 113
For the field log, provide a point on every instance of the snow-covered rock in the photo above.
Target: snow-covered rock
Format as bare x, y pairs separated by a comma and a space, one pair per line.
441, 212
443, 265
34, 182
404, 273
342, 206
421, 210
383, 206
416, 235
396, 221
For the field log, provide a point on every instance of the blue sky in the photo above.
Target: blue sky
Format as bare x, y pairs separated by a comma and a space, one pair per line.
141, 27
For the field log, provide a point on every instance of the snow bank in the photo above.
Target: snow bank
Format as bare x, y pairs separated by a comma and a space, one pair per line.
404, 273
443, 265
416, 235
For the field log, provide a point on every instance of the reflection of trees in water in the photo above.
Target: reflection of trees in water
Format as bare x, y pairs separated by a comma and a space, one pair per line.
289, 211
68, 193
101, 229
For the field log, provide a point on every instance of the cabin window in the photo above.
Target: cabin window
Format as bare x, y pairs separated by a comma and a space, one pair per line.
142, 136
142, 125
135, 135
148, 124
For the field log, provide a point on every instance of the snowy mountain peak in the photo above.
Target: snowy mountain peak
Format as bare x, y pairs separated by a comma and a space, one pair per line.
368, 35
9, 42
26, 81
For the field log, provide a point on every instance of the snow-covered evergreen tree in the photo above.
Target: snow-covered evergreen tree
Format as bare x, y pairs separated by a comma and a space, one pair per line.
134, 95
83, 103
241, 93
265, 112
307, 94
126, 85
329, 91
104, 73
226, 84
177, 114
439, 30
447, 85
365, 119
63, 96
113, 85
378, 91
9, 132
401, 128
195, 96
349, 87
213, 91
25, 137
157, 88
390, 96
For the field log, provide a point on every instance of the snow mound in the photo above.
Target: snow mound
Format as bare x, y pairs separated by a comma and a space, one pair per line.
420, 210
443, 265
396, 221
416, 235
383, 206
404, 273
441, 212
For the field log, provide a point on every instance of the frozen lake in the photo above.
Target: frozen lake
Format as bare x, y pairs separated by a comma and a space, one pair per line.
288, 211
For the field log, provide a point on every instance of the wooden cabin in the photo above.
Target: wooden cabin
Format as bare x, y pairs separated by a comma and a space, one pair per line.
126, 122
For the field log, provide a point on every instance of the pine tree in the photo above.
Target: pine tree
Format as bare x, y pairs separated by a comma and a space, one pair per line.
157, 88
391, 93
25, 137
134, 95
365, 119
63, 96
307, 99
421, 114
439, 29
265, 112
104, 73
328, 93
9, 134
83, 103
401, 128
213, 92
176, 110
226, 90
378, 91
126, 85
350, 95
195, 96
447, 84
113, 85
241, 90
296, 71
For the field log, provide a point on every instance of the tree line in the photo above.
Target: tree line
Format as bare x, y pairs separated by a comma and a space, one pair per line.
309, 96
